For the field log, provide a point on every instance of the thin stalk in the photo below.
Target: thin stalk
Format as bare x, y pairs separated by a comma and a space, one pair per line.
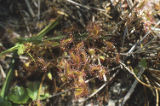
9, 77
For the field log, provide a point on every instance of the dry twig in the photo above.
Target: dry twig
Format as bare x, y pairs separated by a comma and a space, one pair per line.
143, 83
2, 72
131, 90
84, 6
157, 97
94, 93
130, 3
39, 8
136, 44
29, 8
99, 89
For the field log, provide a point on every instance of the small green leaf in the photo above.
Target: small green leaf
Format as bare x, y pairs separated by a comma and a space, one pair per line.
32, 90
18, 95
43, 92
21, 49
10, 74
44, 96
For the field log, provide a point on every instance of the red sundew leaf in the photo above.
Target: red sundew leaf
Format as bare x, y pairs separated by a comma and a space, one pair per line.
71, 75
81, 81
109, 45
93, 29
65, 42
101, 73
94, 68
81, 73
75, 58
68, 68
117, 58
61, 64
79, 46
99, 70
75, 73
84, 57
43, 64
81, 91
63, 77
81, 87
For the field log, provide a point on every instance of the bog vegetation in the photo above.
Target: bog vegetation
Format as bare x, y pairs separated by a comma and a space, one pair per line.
80, 52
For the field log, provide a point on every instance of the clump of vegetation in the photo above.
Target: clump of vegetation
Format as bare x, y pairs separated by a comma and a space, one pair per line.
83, 56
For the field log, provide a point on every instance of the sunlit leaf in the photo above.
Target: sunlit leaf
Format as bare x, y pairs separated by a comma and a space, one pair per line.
44, 96
81, 91
66, 41
75, 58
94, 68
93, 29
18, 95
21, 49
83, 56
9, 50
79, 46
32, 90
